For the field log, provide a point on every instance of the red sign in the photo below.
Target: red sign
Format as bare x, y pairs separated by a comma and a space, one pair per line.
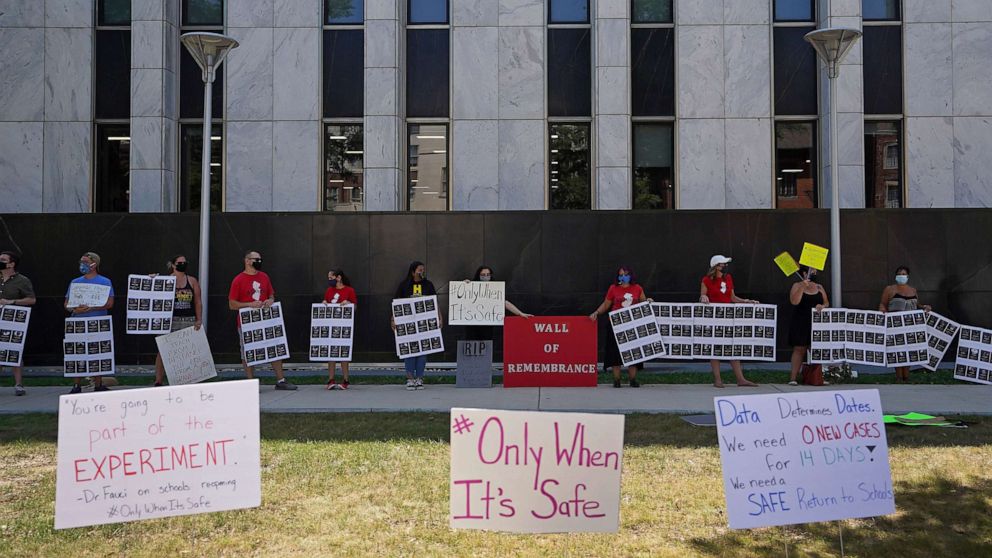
549, 351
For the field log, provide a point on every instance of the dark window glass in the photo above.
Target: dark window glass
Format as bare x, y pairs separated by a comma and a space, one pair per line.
883, 69
191, 88
113, 165
569, 11
795, 10
795, 168
202, 12
190, 159
113, 74
653, 72
343, 73
883, 164
343, 12
344, 174
653, 167
426, 72
428, 11
795, 72
114, 12
427, 167
651, 11
571, 187
569, 73
880, 10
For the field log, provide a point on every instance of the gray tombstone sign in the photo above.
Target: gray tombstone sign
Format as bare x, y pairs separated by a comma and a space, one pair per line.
475, 364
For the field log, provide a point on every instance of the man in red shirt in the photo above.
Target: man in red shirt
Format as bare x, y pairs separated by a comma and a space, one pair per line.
253, 289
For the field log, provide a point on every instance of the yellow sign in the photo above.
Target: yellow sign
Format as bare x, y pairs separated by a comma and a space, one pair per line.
786, 263
814, 256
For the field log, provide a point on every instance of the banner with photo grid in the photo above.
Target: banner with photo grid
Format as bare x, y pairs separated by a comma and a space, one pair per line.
149, 304
88, 347
974, 357
13, 333
868, 337
418, 328
636, 332
940, 334
332, 332
717, 331
263, 335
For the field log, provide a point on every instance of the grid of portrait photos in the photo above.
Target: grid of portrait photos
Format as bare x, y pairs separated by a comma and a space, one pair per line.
332, 332
675, 327
906, 338
940, 334
418, 329
734, 331
636, 332
843, 335
974, 362
263, 335
13, 332
149, 304
88, 347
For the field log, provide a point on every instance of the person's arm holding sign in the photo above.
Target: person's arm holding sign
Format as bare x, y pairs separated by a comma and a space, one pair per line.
197, 302
602, 308
516, 311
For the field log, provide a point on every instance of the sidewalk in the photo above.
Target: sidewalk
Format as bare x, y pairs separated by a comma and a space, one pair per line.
681, 399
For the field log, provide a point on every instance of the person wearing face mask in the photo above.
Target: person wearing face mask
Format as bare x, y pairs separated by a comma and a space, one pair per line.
89, 266
805, 295
717, 287
252, 289
187, 305
621, 294
900, 297
485, 333
339, 291
413, 285
15, 290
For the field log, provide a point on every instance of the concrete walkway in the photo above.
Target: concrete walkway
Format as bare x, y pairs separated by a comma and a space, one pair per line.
963, 399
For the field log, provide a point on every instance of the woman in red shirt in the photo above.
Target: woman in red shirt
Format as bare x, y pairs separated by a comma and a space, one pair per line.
339, 291
621, 294
718, 287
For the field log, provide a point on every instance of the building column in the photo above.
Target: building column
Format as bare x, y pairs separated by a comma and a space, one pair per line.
611, 113
383, 105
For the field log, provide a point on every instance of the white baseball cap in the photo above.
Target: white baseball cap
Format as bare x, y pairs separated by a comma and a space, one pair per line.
718, 259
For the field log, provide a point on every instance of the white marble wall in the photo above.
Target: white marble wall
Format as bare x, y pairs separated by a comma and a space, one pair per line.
383, 89
612, 127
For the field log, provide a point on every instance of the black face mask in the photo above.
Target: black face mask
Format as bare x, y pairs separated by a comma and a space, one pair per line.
3, 265
257, 264
181, 266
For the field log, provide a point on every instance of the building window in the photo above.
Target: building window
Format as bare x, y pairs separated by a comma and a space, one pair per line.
795, 72
427, 167
795, 10
653, 71
191, 157
113, 165
654, 168
795, 165
568, 11
113, 73
651, 11
427, 62
427, 12
343, 73
344, 12
112, 106
113, 12
880, 10
883, 163
882, 47
202, 13
569, 173
569, 72
344, 175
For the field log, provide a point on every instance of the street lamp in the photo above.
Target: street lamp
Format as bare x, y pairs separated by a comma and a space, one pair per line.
832, 45
209, 50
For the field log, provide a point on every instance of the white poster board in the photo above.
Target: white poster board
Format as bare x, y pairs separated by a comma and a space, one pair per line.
332, 332
869, 337
940, 334
149, 304
88, 347
803, 457
476, 303
186, 356
263, 335
87, 294
534, 472
13, 334
828, 336
418, 326
157, 452
636, 332
734, 331
675, 327
906, 339
974, 361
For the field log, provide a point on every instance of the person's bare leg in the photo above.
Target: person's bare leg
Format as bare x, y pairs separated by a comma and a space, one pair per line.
330, 372
159, 369
715, 366
277, 368
97, 381
798, 354
344, 372
18, 379
735, 365
249, 371
632, 373
616, 373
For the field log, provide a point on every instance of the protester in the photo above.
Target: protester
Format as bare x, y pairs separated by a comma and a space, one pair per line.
252, 289
485, 333
805, 295
339, 291
413, 285
187, 306
89, 266
717, 287
15, 290
622, 293
901, 297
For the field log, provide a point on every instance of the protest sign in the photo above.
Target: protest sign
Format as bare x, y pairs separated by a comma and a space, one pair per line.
549, 351
940, 333
474, 364
418, 326
186, 356
157, 452
803, 457
974, 361
786, 263
636, 334
88, 347
149, 304
843, 335
332, 332
675, 327
814, 256
87, 294
476, 302
263, 335
13, 333
533, 472
906, 339
734, 331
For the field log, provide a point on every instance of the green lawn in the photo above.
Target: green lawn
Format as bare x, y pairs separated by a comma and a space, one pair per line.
376, 484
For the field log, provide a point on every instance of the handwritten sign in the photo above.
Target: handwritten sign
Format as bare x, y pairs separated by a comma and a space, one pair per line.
13, 333
803, 457
87, 294
532, 472
549, 351
186, 356
814, 256
157, 452
476, 302
149, 304
786, 263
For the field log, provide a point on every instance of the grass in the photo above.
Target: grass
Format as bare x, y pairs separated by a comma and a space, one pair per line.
376, 484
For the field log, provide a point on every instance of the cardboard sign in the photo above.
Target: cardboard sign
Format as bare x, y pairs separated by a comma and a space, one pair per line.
88, 347
263, 335
418, 326
157, 452
332, 332
974, 358
87, 294
786, 263
814, 256
636, 334
13, 334
476, 302
186, 356
149, 304
533, 472
474, 364
803, 457
549, 351
940, 334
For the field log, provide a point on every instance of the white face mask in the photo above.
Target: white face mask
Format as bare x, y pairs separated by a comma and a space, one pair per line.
485, 277
902, 279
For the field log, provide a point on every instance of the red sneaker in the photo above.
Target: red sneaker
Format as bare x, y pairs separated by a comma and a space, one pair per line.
344, 385
332, 385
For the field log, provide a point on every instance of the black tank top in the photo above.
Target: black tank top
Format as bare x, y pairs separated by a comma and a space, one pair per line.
183, 307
